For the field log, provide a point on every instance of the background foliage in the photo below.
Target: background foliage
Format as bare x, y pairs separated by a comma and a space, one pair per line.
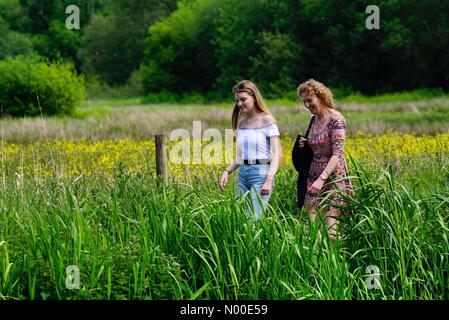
202, 47
30, 87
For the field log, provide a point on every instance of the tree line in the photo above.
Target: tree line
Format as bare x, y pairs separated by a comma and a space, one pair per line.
205, 46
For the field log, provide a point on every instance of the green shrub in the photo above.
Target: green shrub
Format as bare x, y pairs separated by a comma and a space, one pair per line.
193, 98
13, 43
161, 97
97, 89
29, 86
179, 50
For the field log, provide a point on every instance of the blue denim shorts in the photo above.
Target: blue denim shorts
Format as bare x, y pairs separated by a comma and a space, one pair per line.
250, 181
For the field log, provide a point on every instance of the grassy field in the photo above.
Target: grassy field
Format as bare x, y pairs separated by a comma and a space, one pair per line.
127, 118
82, 191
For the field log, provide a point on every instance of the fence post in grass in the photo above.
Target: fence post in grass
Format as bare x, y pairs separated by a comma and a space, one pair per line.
161, 158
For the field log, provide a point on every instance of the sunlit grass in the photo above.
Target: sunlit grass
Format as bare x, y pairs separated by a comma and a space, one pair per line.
69, 158
134, 238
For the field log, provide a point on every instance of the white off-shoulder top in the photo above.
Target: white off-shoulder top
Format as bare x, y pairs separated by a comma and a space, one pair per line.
254, 143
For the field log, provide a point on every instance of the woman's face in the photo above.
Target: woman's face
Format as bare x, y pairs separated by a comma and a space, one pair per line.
312, 103
244, 102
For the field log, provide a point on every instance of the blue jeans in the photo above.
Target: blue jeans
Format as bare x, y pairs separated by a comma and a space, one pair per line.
250, 181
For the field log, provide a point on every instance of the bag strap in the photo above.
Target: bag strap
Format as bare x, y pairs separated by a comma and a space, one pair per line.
310, 125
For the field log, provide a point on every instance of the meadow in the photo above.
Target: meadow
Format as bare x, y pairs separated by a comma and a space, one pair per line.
83, 191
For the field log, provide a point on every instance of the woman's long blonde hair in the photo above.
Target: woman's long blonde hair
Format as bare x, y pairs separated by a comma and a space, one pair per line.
319, 89
251, 89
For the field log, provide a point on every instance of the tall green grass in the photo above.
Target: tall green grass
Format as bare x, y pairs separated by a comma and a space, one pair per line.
134, 238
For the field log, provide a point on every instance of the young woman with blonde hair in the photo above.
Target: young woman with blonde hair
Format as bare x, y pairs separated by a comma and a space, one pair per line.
258, 147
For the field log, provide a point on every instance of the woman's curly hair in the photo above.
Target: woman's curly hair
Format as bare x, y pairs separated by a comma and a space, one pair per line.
319, 89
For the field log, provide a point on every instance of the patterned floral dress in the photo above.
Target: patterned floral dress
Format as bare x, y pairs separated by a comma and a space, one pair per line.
329, 142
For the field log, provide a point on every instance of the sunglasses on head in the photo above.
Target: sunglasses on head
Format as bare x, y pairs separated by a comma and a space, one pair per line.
242, 88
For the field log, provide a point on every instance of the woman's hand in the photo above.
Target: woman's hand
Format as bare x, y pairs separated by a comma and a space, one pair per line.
301, 142
316, 187
224, 180
266, 188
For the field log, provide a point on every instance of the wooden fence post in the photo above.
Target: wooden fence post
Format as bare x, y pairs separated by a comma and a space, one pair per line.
161, 158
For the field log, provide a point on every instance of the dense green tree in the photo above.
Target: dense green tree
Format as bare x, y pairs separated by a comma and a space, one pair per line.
45, 21
275, 66
344, 53
114, 43
417, 43
208, 45
13, 14
41, 13
179, 50
239, 24
13, 43
283, 42
337, 46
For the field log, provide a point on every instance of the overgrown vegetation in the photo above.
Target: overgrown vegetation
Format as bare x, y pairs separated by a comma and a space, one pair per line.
30, 87
208, 45
134, 239
200, 48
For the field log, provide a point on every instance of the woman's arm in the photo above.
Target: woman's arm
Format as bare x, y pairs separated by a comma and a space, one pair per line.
276, 158
236, 162
338, 137
231, 168
274, 164
331, 165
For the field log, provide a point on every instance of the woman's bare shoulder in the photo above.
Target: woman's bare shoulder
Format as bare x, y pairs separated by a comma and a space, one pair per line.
267, 119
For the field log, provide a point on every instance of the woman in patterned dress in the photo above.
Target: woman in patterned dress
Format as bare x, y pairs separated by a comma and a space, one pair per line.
328, 171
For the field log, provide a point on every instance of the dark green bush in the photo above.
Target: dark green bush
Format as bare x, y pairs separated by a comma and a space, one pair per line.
13, 43
29, 86
161, 97
179, 50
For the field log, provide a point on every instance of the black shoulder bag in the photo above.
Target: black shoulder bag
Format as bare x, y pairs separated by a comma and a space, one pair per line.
302, 159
